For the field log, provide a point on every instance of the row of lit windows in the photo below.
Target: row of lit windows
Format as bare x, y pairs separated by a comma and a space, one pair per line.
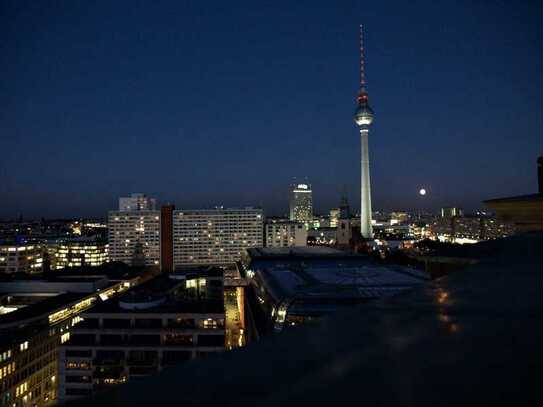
5, 355
7, 370
21, 389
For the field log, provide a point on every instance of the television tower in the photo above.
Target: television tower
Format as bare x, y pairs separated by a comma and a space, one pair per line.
363, 117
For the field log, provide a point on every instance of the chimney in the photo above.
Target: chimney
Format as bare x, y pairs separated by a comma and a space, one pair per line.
166, 238
540, 173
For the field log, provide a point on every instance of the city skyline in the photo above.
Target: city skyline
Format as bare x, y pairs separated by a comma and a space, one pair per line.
129, 108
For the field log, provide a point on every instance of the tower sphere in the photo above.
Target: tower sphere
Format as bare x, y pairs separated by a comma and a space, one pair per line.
363, 115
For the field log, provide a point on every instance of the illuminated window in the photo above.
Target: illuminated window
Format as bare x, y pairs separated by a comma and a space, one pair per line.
65, 337
23, 346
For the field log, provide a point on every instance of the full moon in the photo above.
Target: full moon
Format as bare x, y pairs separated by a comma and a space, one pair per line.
422, 191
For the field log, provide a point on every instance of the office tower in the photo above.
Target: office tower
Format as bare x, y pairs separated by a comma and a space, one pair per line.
132, 229
335, 214
24, 258
137, 202
166, 320
363, 117
166, 238
283, 233
215, 236
78, 252
301, 203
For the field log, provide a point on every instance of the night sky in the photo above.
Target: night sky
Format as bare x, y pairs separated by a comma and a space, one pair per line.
207, 103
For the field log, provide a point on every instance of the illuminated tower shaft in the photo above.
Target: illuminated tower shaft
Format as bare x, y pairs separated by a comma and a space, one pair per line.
366, 229
363, 117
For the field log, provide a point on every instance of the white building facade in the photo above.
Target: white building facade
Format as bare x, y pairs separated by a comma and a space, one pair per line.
131, 231
215, 236
286, 234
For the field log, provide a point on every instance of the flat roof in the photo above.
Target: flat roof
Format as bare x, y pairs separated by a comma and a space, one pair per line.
159, 287
40, 309
321, 273
302, 251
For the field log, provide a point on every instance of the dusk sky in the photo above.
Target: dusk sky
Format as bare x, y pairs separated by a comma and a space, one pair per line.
207, 103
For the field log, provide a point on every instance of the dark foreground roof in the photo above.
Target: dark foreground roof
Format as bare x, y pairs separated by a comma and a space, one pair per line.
519, 198
471, 338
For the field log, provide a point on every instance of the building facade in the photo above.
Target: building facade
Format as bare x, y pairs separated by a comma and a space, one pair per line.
335, 215
163, 322
26, 258
215, 236
285, 234
301, 203
79, 252
30, 335
469, 229
134, 232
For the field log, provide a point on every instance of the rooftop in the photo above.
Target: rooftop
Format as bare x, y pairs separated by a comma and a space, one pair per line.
161, 294
297, 252
321, 274
470, 338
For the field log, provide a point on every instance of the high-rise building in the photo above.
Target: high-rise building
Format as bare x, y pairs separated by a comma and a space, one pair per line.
177, 238
137, 202
363, 117
283, 233
131, 230
23, 258
301, 203
215, 236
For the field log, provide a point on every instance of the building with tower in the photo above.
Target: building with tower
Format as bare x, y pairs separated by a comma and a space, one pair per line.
301, 203
363, 117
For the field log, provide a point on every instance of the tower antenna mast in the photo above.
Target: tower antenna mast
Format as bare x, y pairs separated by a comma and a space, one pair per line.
362, 67
363, 94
